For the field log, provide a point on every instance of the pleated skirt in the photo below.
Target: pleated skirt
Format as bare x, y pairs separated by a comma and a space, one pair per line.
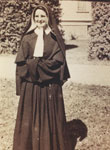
40, 123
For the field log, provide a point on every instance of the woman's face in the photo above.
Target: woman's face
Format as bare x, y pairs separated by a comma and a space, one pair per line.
40, 18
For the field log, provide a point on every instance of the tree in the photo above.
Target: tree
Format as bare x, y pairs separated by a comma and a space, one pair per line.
14, 17
100, 31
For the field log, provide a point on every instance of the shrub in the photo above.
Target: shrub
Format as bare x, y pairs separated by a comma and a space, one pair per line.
100, 31
14, 17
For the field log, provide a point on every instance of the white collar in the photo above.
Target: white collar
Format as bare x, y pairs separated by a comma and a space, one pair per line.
47, 30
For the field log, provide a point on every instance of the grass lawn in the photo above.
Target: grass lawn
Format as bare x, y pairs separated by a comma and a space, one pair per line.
89, 104
87, 107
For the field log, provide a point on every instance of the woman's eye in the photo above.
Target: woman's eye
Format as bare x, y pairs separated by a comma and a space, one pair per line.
42, 16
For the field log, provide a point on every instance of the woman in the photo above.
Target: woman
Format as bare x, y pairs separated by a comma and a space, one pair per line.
41, 71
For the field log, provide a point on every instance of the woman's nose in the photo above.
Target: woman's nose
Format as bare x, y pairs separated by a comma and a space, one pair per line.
39, 18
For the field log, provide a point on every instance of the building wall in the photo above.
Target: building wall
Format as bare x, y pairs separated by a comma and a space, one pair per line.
76, 19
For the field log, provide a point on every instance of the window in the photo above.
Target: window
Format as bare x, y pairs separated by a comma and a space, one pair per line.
82, 7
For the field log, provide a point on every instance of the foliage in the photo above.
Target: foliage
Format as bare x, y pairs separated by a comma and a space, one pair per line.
100, 31
14, 17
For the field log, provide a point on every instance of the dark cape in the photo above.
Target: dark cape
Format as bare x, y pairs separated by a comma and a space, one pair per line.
52, 64
40, 123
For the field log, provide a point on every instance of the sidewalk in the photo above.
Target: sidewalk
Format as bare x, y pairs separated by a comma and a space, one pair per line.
85, 74
90, 74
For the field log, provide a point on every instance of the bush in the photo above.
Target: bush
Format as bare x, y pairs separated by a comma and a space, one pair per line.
100, 31
14, 17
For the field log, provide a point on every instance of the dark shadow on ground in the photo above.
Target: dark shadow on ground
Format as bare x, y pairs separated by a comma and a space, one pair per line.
70, 46
76, 130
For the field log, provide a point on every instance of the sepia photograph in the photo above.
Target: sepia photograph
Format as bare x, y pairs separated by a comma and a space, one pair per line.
54, 75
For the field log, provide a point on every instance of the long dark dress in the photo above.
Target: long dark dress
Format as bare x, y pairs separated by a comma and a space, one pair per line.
40, 123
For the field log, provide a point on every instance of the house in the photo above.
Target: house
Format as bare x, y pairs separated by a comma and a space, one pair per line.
76, 18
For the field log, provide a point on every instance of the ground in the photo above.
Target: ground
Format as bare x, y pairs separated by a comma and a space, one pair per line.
87, 108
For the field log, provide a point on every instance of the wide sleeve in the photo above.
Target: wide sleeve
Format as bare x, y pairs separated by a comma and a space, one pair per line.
21, 67
42, 69
18, 82
50, 68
